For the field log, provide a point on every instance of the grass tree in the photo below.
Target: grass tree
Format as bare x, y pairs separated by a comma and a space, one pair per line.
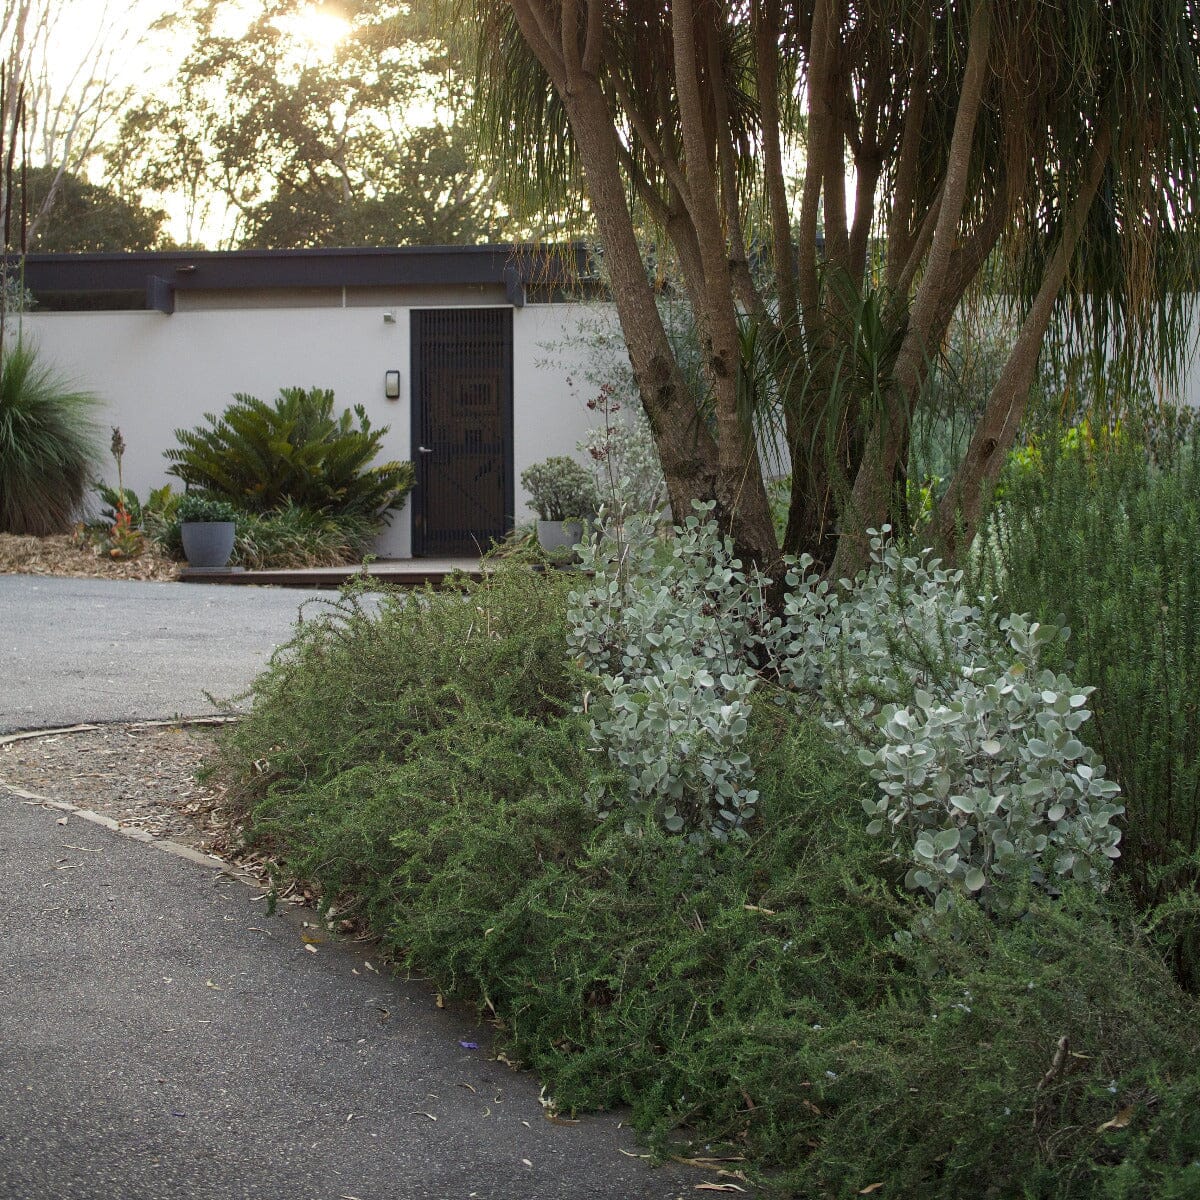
1040, 152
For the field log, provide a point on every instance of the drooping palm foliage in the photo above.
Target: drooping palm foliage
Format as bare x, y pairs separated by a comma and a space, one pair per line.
49, 444
1044, 151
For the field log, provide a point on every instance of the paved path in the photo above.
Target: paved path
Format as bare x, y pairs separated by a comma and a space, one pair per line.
162, 1038
76, 650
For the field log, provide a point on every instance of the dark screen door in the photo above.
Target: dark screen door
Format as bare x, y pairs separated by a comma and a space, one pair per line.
462, 428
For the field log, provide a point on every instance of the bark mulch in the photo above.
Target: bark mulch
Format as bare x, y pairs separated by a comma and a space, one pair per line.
62, 555
141, 775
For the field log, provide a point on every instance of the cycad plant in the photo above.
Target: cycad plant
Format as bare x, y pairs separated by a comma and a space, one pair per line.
261, 457
49, 444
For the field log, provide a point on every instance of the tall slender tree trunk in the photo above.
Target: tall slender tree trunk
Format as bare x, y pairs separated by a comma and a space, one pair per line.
958, 514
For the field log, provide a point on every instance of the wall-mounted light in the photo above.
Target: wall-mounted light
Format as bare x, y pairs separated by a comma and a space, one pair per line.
391, 384
389, 317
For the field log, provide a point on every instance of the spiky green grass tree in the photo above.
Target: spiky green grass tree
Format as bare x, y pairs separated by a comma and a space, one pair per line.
49, 445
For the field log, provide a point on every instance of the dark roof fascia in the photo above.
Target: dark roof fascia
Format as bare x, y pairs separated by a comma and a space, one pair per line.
161, 274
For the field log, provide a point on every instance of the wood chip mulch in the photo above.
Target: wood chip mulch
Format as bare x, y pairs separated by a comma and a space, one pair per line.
62, 555
142, 776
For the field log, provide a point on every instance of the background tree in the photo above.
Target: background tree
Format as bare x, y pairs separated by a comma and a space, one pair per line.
1042, 150
313, 134
84, 216
59, 97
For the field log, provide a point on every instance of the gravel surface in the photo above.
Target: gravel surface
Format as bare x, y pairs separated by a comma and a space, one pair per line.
142, 776
76, 651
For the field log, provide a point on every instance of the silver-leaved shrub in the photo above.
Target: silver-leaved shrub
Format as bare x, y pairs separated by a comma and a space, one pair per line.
980, 770
668, 629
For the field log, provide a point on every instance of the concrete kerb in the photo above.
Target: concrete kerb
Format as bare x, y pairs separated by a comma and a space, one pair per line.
212, 861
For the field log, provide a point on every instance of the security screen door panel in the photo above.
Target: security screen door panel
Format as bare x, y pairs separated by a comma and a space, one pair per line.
462, 429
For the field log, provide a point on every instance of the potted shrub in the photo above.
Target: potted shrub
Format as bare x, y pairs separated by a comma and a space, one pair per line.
563, 494
207, 528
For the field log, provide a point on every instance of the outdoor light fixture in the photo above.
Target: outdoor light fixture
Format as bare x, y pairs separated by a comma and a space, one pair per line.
391, 383
389, 317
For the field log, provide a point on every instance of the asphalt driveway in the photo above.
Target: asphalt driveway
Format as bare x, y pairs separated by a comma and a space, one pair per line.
77, 650
162, 1037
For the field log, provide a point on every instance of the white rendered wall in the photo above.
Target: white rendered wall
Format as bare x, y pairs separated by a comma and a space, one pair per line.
156, 373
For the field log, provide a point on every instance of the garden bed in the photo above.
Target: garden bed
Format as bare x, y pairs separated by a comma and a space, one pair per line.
63, 556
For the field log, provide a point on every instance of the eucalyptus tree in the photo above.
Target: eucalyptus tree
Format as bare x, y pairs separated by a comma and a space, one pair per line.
60, 95
310, 126
1042, 151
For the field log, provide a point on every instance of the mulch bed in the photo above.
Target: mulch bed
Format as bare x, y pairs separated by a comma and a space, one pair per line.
143, 776
62, 555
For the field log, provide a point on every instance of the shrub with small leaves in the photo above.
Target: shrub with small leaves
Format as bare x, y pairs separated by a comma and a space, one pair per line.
992, 779
624, 460
560, 489
979, 767
669, 641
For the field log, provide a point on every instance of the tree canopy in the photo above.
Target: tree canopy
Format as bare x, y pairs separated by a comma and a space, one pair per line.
83, 216
1045, 149
343, 136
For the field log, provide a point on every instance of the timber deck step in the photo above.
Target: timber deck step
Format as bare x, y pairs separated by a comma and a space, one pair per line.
399, 572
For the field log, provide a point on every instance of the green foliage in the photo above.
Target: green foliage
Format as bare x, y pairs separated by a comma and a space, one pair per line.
296, 537
260, 456
1107, 535
980, 769
624, 461
49, 445
667, 642
85, 217
560, 489
363, 678
203, 508
976, 751
151, 515
420, 764
349, 144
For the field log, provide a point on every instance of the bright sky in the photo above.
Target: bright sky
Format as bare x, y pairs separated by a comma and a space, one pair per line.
143, 50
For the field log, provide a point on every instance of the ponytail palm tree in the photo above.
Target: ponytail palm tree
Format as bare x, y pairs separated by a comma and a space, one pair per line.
1043, 152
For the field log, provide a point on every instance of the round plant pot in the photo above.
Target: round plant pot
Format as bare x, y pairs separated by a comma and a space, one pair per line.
207, 543
559, 535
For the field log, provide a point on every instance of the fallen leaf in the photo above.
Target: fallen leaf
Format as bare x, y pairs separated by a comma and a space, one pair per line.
766, 912
61, 821
310, 948
1120, 1120
440, 1001
630, 1154
468, 1087
719, 1187
216, 987
871, 1187
419, 1113
527, 1162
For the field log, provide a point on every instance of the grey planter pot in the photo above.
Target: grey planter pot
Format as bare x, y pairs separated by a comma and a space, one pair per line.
207, 543
559, 535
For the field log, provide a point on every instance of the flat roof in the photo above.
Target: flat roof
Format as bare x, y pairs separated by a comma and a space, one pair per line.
159, 275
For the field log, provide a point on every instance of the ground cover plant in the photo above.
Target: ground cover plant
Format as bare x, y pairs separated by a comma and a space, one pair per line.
422, 760
1103, 527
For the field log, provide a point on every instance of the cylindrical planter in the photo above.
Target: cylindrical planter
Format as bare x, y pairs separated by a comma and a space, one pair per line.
207, 543
559, 535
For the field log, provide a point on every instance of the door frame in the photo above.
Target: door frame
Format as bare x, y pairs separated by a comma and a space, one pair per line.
416, 414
